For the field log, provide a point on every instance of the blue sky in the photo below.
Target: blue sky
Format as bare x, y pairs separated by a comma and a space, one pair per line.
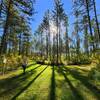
42, 5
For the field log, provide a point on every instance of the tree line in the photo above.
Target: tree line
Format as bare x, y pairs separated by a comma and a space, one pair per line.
15, 16
52, 38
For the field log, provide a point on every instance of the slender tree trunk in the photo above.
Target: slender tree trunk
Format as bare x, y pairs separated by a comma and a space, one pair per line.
46, 45
96, 19
3, 47
53, 51
27, 46
89, 21
20, 44
86, 41
67, 44
49, 37
1, 7
41, 48
77, 43
15, 43
57, 37
59, 46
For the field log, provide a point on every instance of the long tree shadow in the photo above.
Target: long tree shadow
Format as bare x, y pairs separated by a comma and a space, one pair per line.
22, 90
31, 65
76, 93
12, 84
84, 80
52, 91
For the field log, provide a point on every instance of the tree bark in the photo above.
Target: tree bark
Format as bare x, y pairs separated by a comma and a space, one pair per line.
89, 21
96, 19
3, 47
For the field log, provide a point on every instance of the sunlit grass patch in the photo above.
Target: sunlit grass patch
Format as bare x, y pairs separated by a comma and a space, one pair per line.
43, 82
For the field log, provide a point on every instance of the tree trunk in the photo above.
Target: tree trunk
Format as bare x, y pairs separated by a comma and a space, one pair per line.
89, 21
3, 47
20, 44
67, 45
46, 45
1, 7
96, 19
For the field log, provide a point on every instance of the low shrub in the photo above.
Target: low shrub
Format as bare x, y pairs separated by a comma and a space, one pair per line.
81, 60
94, 74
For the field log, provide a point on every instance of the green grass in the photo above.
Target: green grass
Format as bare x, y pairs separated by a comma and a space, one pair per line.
42, 82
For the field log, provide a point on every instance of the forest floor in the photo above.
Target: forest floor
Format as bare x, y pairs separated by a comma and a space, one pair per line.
43, 82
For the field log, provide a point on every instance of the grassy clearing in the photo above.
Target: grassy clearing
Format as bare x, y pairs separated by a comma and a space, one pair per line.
42, 82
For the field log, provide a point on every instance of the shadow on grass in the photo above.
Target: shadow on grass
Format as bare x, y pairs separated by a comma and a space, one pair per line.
12, 84
31, 65
52, 91
22, 90
85, 81
75, 92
